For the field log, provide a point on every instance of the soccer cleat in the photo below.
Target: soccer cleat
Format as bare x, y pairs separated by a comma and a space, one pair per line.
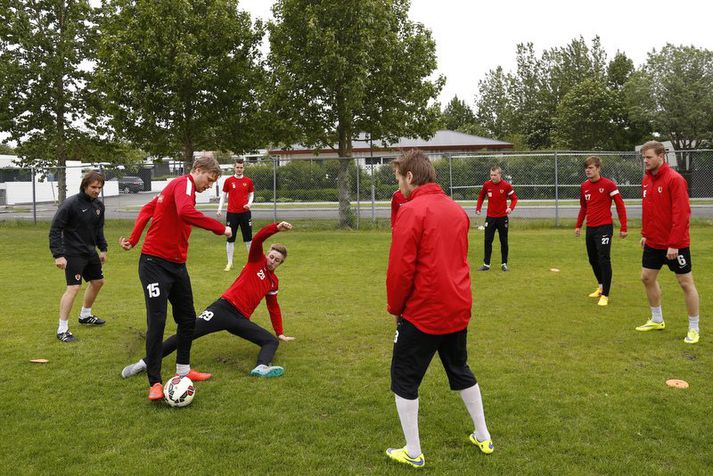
92, 321
263, 370
652, 326
692, 337
197, 376
66, 336
597, 292
504, 267
228, 267
484, 268
603, 300
133, 369
156, 392
400, 455
486, 446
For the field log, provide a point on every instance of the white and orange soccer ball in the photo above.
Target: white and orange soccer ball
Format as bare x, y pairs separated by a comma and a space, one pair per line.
179, 391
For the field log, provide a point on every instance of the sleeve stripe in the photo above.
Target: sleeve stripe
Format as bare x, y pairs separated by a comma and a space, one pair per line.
272, 293
189, 187
511, 192
615, 192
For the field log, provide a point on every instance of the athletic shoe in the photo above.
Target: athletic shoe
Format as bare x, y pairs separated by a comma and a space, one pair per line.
484, 268
504, 267
603, 300
133, 369
66, 336
228, 267
156, 392
400, 455
597, 292
197, 376
263, 370
692, 337
486, 446
652, 326
92, 321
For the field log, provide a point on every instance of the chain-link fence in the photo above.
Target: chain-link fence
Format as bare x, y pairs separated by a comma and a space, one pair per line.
547, 184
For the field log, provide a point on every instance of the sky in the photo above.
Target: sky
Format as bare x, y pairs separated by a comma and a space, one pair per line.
473, 37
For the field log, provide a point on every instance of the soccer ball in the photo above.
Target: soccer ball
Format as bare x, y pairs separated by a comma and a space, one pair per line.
179, 391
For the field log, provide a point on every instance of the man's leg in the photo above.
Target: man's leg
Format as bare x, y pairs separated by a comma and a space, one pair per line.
232, 222
488, 241
65, 306
603, 245
246, 227
591, 241
651, 285
690, 294
156, 285
240, 326
181, 298
503, 225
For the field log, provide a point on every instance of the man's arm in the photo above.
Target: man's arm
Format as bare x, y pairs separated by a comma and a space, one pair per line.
513, 200
145, 214
60, 220
582, 213
223, 198
481, 197
621, 213
187, 213
680, 214
251, 197
273, 308
402, 261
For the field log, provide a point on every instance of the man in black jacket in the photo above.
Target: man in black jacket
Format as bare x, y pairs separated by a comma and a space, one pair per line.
77, 231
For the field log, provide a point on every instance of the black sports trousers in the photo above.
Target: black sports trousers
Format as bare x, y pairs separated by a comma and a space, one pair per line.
599, 253
491, 225
222, 316
243, 221
163, 282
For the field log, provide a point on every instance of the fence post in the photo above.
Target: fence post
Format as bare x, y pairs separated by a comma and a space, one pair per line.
274, 188
373, 194
557, 210
450, 175
101, 171
358, 210
34, 198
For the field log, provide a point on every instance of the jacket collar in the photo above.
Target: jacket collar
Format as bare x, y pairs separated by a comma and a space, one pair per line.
84, 196
663, 170
426, 189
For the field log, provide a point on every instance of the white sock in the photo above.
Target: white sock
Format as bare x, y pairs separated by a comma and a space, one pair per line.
85, 312
657, 314
408, 414
693, 323
182, 369
229, 248
247, 247
63, 326
474, 403
601, 287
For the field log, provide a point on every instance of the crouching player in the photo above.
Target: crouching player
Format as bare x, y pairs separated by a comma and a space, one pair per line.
232, 311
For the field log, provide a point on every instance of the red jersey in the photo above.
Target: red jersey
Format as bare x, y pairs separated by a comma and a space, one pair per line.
428, 278
172, 212
397, 199
238, 190
498, 194
255, 282
665, 209
595, 203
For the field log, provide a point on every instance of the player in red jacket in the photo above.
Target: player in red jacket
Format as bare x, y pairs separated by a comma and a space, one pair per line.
595, 199
232, 311
498, 191
428, 291
665, 219
162, 265
240, 192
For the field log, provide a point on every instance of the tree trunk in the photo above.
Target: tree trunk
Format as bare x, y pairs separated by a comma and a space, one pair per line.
346, 217
60, 98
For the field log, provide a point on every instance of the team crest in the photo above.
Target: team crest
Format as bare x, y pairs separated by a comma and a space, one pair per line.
490, 194
160, 198
233, 185
660, 189
98, 212
245, 184
601, 190
77, 277
502, 191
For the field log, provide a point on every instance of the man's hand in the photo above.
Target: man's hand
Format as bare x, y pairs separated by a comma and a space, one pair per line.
285, 338
623, 234
508, 210
477, 212
642, 242
672, 253
102, 256
284, 226
577, 231
228, 232
125, 243
218, 213
60, 262
247, 206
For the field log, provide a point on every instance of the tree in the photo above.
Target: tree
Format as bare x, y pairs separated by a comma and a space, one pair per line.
344, 68
457, 116
43, 45
181, 75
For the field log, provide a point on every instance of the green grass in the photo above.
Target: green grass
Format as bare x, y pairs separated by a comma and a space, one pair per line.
569, 388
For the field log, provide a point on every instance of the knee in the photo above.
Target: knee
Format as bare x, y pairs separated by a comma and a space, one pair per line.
97, 283
72, 291
647, 279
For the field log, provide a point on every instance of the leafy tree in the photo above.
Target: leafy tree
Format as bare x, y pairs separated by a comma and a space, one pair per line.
494, 105
6, 150
43, 45
181, 75
343, 68
457, 116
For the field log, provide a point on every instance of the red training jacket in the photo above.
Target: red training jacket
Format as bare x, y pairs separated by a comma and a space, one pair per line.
255, 282
497, 193
666, 211
428, 278
172, 212
397, 199
238, 190
595, 203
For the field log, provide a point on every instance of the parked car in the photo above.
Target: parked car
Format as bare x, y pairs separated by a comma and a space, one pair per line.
130, 184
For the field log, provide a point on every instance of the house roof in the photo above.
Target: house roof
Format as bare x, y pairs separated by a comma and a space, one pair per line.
442, 140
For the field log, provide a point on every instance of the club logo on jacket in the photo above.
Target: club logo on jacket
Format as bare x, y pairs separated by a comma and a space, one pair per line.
601, 190
261, 274
98, 212
490, 194
160, 198
660, 189
502, 191
587, 196
233, 185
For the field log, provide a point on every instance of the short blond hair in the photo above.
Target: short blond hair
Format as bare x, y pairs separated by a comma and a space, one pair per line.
280, 248
657, 146
207, 164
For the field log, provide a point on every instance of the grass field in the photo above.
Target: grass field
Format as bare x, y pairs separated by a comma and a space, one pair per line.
568, 387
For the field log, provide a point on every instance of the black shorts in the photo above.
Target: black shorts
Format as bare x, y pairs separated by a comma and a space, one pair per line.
242, 220
655, 259
87, 267
413, 351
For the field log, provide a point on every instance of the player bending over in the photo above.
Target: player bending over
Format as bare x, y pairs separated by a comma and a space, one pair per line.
232, 311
